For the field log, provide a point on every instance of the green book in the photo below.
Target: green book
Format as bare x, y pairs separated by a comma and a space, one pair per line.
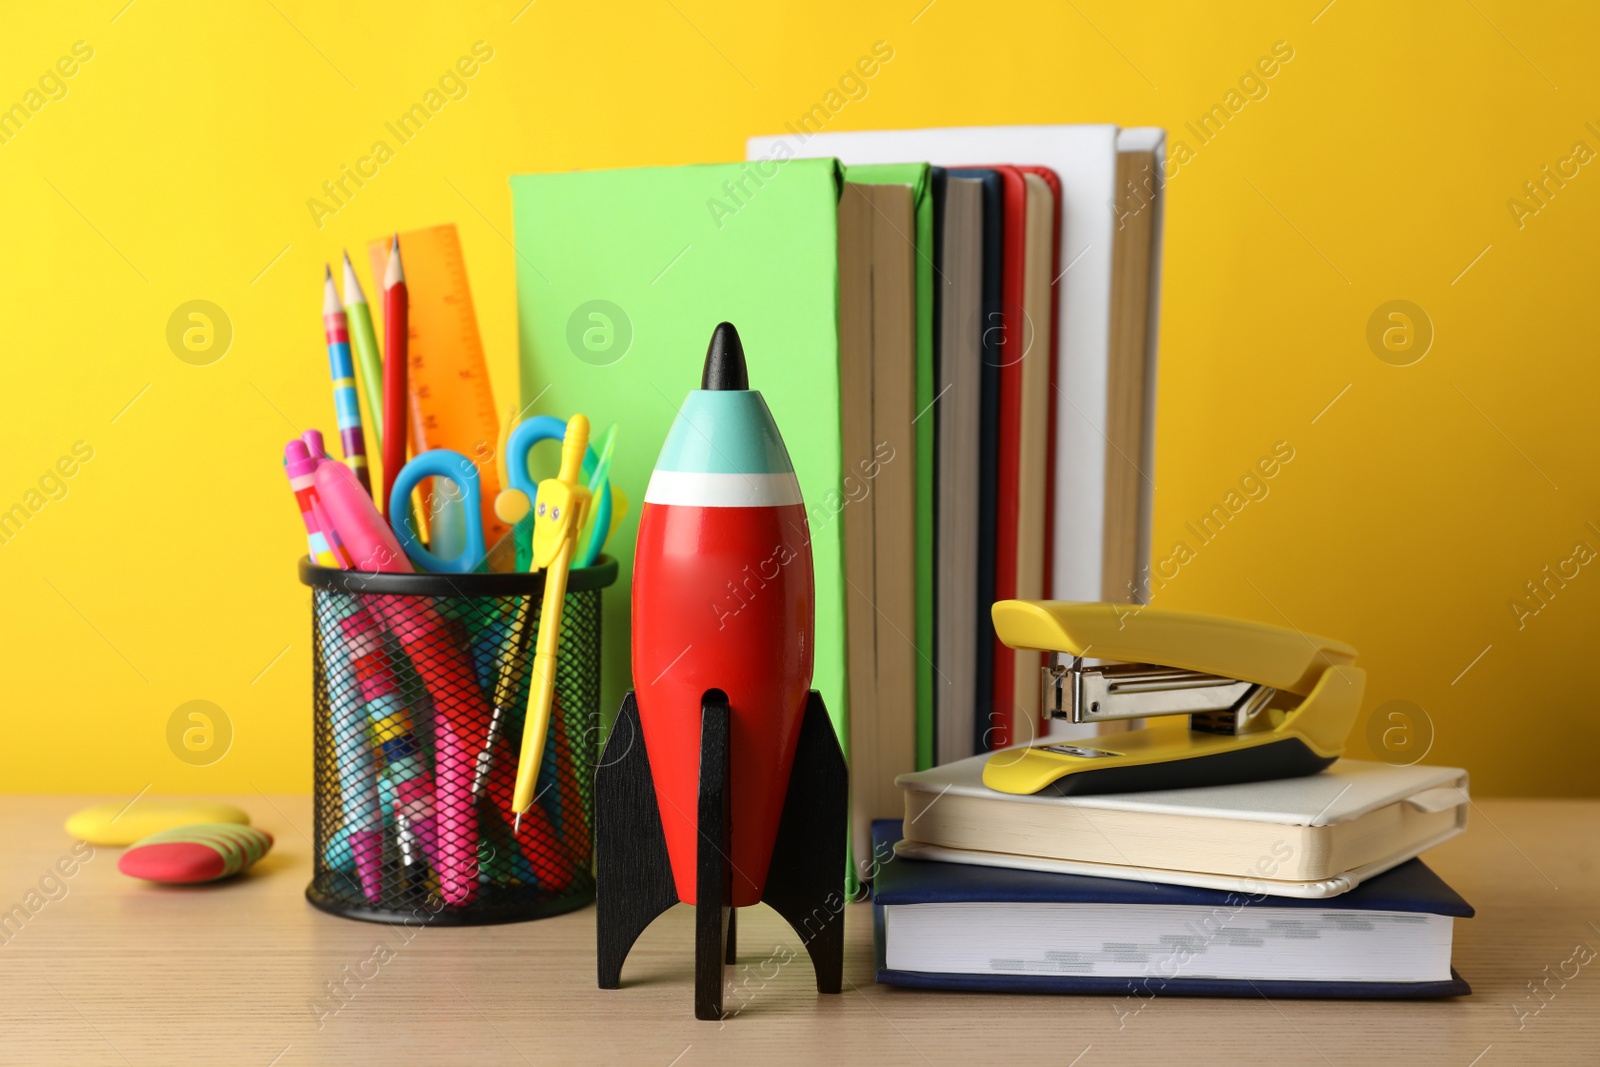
621, 277
917, 176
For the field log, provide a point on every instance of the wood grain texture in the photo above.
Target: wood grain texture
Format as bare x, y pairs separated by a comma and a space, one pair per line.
115, 971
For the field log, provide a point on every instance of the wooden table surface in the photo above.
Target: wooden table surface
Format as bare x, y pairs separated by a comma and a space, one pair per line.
110, 970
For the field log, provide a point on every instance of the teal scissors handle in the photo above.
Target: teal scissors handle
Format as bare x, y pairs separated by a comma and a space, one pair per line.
530, 432
524, 436
452, 466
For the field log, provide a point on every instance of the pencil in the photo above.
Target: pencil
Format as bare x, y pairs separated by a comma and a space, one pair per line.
346, 402
396, 305
364, 343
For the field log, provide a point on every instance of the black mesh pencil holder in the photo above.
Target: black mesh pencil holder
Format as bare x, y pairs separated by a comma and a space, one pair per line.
421, 691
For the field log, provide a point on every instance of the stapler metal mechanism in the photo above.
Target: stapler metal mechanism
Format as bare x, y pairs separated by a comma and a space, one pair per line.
1261, 701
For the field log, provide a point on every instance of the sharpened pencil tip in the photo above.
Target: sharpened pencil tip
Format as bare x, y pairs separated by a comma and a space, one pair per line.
516, 825
352, 284
395, 273
330, 293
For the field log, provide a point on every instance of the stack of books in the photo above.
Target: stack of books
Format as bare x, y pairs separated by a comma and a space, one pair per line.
1298, 887
955, 331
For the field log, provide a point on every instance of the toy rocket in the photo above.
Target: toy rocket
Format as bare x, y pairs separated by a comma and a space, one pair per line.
722, 579
722, 784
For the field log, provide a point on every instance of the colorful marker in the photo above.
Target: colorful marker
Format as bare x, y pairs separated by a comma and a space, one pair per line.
723, 517
352, 515
313, 440
357, 769
362, 806
298, 462
393, 733
460, 712
460, 732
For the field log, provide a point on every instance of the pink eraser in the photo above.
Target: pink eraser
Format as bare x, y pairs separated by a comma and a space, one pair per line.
203, 852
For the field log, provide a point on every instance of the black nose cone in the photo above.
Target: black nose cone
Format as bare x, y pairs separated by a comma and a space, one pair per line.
725, 367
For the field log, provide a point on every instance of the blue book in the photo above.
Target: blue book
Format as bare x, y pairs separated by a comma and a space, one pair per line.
996, 930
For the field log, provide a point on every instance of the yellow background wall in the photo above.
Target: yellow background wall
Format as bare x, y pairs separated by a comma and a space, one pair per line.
1378, 166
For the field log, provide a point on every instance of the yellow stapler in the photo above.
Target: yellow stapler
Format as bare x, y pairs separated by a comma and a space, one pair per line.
1262, 702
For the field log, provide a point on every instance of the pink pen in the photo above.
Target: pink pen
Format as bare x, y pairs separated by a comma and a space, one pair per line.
461, 714
368, 539
460, 731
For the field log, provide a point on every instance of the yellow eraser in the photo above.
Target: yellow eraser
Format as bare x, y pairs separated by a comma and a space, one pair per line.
121, 823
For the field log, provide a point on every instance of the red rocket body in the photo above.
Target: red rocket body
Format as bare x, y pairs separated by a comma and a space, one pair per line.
715, 606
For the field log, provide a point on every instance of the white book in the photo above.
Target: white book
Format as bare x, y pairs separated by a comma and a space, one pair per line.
1317, 836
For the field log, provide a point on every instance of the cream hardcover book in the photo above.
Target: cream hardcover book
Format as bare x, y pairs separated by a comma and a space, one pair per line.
1316, 836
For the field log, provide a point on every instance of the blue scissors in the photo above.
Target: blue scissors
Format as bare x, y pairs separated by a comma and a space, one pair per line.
452, 466
514, 502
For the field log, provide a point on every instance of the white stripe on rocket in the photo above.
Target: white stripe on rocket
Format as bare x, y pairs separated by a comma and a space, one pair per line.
694, 489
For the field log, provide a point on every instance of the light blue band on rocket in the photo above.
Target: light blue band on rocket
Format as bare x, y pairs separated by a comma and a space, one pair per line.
724, 431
